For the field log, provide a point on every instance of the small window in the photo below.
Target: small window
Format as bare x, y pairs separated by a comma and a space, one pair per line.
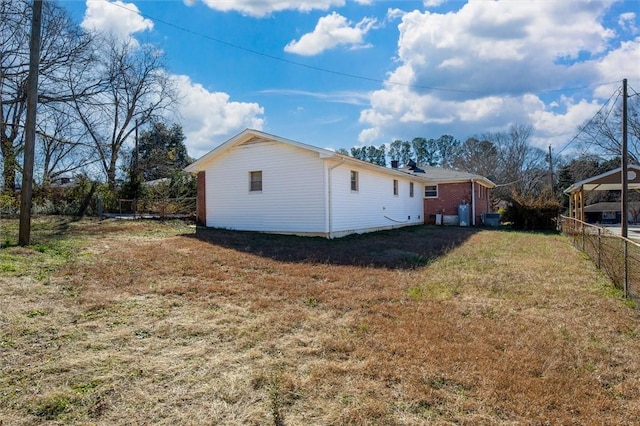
395, 187
431, 191
354, 180
411, 189
255, 181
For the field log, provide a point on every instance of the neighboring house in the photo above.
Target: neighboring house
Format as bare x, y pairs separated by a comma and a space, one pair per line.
607, 181
260, 182
448, 189
610, 212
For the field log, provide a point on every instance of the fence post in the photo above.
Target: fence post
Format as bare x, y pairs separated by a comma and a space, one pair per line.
583, 237
599, 247
626, 270
100, 207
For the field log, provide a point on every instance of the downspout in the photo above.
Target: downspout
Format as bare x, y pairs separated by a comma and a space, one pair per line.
473, 202
330, 207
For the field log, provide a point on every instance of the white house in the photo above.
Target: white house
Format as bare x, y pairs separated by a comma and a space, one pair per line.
260, 182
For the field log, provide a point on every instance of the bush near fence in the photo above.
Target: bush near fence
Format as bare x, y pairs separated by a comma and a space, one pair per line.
162, 208
618, 257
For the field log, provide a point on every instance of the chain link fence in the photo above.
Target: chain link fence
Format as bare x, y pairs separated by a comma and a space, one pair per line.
161, 208
619, 257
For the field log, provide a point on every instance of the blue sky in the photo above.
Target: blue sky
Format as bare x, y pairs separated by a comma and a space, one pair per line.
340, 73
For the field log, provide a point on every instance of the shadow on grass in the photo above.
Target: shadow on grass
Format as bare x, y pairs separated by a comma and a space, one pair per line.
403, 248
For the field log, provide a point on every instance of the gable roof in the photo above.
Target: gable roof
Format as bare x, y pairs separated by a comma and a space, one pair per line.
608, 181
433, 175
246, 136
440, 174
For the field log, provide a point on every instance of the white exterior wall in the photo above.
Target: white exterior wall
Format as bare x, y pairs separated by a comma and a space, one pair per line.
373, 206
292, 198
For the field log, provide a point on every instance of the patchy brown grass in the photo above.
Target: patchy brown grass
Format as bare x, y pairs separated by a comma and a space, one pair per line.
117, 323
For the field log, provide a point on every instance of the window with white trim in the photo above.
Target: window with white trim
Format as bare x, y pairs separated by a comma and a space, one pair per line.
395, 187
354, 180
255, 181
431, 191
411, 189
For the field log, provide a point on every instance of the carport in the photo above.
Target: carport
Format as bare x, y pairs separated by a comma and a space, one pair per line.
608, 181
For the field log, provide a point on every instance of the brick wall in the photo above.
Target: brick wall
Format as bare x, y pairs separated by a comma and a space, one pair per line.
451, 195
201, 205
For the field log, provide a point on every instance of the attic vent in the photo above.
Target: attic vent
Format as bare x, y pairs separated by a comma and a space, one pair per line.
254, 141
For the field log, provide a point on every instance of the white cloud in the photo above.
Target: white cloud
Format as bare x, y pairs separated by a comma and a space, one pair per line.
208, 118
628, 22
558, 129
492, 64
433, 3
341, 97
616, 65
117, 18
393, 14
331, 31
261, 8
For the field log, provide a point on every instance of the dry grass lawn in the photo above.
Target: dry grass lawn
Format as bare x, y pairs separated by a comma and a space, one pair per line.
121, 323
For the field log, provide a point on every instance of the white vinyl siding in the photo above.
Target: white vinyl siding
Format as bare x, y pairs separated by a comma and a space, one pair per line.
374, 206
292, 195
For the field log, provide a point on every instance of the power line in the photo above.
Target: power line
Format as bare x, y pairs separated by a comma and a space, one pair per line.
335, 72
617, 91
604, 121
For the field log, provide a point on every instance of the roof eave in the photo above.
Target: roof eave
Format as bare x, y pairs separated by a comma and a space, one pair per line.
244, 136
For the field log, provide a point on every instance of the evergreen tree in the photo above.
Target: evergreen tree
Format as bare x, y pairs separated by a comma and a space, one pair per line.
161, 151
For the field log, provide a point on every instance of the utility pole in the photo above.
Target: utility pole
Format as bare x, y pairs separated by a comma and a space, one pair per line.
625, 188
135, 179
26, 194
550, 170
625, 160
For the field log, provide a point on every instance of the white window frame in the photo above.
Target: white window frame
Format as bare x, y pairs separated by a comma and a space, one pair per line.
355, 180
411, 189
431, 191
253, 182
395, 187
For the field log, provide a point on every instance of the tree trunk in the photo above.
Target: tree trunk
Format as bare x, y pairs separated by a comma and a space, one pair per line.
111, 172
87, 200
9, 167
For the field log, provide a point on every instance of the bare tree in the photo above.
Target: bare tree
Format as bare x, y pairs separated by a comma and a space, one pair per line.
61, 148
481, 157
14, 57
604, 131
63, 46
136, 90
520, 167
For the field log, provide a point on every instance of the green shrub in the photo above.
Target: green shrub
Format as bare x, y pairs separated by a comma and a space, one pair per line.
9, 204
532, 212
